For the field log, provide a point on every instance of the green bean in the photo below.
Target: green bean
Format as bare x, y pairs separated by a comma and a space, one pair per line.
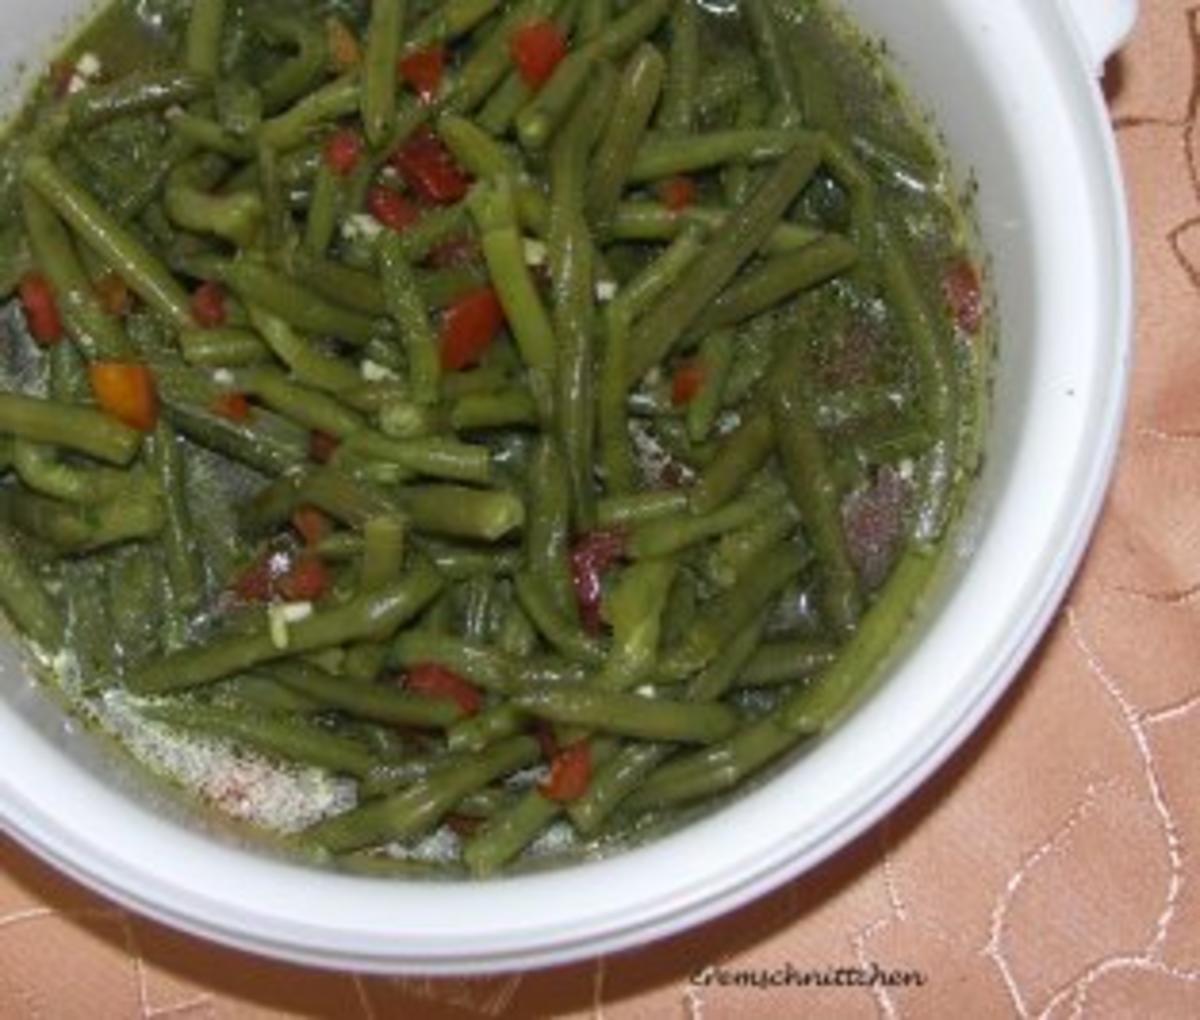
775, 65
736, 549
478, 152
81, 429
294, 127
666, 157
816, 706
352, 502
419, 808
24, 597
572, 270
40, 469
488, 62
489, 668
236, 217
309, 365
737, 179
715, 769
202, 46
561, 631
435, 226
505, 408
747, 228
265, 443
432, 456
278, 736
324, 210
299, 74
371, 616
378, 702
712, 682
637, 95
548, 532
779, 278
640, 508
359, 291
541, 117
612, 424
805, 466
671, 534
457, 562
263, 693
379, 67
303, 405
463, 513
408, 310
223, 348
784, 662
635, 608
738, 459
488, 727
938, 381
144, 274
139, 92
677, 114
726, 82
74, 529
288, 299
716, 360
98, 335
447, 21
180, 552
631, 715
730, 612
508, 834
653, 221
494, 208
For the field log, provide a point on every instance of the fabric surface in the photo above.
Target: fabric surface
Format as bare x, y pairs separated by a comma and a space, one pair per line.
1051, 870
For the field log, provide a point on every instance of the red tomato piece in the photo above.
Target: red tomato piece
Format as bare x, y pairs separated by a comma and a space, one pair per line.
423, 71
312, 525
433, 681
677, 193
255, 583
469, 327
537, 48
126, 390
307, 581
592, 557
233, 406
570, 774
430, 170
41, 309
687, 382
391, 208
209, 307
963, 292
343, 152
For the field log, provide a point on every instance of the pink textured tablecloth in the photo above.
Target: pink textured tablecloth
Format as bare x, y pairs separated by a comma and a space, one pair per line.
1051, 870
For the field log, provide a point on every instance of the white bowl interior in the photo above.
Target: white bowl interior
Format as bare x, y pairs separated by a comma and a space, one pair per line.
1051, 216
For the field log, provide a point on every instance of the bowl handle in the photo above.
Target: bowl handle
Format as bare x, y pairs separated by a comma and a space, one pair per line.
1102, 27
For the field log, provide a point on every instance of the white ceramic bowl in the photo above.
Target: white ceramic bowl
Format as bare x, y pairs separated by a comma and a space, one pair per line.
1011, 82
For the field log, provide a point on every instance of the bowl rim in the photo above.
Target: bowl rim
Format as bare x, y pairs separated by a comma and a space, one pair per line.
73, 854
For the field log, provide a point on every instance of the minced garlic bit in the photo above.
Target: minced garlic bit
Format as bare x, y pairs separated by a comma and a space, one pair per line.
372, 371
87, 69
361, 226
224, 377
606, 290
535, 252
294, 612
